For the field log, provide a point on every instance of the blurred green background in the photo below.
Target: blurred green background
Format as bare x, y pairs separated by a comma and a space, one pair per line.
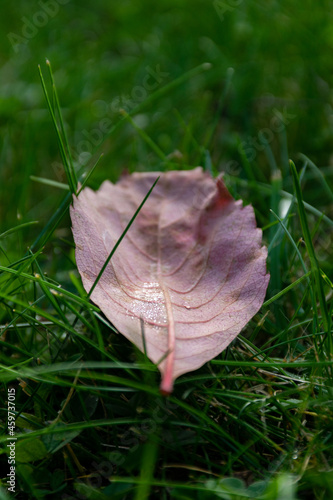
281, 54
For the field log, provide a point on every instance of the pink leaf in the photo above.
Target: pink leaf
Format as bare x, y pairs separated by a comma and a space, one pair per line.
191, 268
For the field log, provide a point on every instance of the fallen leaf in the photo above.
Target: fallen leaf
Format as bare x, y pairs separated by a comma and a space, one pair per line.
189, 274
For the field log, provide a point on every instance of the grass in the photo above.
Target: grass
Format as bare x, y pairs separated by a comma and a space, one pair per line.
255, 422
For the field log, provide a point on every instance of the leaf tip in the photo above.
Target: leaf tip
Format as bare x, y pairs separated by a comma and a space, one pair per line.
207, 65
224, 197
292, 165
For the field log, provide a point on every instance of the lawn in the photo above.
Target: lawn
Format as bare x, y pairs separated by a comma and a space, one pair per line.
89, 91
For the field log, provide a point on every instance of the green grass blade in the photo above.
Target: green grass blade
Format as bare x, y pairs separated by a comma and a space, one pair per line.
52, 223
64, 135
267, 189
18, 228
285, 290
52, 286
319, 175
308, 242
145, 136
149, 458
85, 178
71, 179
50, 182
120, 239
